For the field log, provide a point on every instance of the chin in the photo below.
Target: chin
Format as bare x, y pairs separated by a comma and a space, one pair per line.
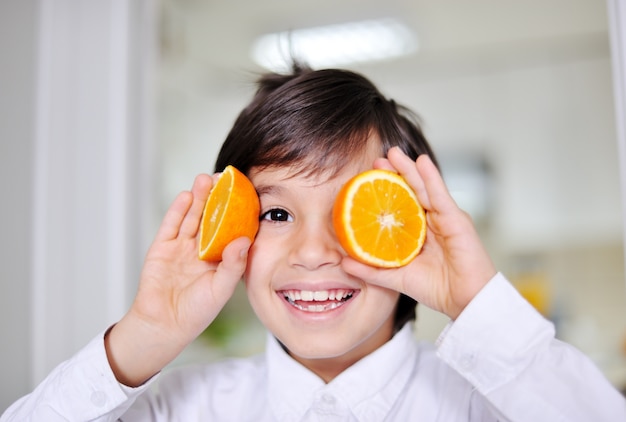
324, 346
305, 351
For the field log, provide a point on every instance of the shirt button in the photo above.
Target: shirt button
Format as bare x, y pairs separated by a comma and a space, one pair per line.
98, 398
467, 362
328, 399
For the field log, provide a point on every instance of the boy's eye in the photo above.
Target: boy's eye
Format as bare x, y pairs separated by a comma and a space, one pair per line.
276, 214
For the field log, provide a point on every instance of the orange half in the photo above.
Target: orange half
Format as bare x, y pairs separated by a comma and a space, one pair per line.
230, 212
378, 219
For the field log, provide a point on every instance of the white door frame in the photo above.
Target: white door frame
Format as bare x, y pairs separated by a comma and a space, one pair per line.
92, 158
617, 30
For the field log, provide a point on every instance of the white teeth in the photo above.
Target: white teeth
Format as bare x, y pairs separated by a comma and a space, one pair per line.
306, 295
334, 299
320, 296
318, 308
315, 308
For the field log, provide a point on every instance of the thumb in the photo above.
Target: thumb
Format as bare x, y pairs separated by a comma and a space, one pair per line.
377, 276
230, 270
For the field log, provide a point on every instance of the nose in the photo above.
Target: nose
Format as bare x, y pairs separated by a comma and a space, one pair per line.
315, 245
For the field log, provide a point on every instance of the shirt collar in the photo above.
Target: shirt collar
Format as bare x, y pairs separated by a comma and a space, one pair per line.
369, 388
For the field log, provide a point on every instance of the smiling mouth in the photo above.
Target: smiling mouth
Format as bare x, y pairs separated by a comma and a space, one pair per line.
317, 301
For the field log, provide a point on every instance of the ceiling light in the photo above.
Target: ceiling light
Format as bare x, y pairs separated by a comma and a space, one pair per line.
335, 45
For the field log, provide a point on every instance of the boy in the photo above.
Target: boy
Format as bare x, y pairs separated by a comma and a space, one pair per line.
354, 357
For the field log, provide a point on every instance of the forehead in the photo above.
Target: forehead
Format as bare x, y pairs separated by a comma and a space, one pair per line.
310, 170
331, 165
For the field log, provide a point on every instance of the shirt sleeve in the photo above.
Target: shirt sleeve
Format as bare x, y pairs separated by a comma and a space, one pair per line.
508, 352
82, 388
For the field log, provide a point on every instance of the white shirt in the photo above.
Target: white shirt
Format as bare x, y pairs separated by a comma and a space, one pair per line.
498, 361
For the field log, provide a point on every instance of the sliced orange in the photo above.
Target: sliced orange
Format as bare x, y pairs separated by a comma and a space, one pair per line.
230, 212
378, 219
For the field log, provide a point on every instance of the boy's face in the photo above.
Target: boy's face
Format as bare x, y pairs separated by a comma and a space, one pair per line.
294, 278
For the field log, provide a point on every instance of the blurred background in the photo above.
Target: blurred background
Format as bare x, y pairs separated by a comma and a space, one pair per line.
109, 109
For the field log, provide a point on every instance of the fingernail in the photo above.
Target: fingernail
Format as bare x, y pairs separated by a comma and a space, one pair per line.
244, 251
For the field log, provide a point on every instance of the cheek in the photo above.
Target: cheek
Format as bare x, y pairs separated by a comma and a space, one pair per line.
384, 301
258, 283
259, 256
390, 298
266, 252
260, 267
253, 283
254, 265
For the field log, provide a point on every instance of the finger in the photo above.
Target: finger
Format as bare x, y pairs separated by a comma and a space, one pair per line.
230, 270
384, 164
200, 191
408, 170
436, 189
174, 216
373, 275
425, 179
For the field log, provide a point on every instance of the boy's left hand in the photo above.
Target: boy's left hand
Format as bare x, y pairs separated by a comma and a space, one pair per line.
453, 265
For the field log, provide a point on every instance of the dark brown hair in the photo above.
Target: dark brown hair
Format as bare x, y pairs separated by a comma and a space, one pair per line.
316, 121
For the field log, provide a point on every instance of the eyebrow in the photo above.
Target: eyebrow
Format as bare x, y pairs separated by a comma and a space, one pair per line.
269, 190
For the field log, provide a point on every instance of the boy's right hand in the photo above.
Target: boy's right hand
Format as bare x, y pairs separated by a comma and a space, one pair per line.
179, 295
